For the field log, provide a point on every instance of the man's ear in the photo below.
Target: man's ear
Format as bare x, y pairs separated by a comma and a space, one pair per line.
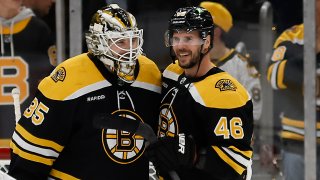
206, 45
217, 33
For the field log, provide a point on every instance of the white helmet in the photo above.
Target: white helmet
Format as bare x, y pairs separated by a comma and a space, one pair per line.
115, 39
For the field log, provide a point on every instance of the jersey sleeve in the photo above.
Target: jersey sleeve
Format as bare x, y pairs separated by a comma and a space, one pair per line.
286, 65
285, 69
44, 128
40, 137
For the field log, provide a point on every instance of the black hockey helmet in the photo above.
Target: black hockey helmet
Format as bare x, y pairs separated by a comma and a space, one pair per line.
190, 19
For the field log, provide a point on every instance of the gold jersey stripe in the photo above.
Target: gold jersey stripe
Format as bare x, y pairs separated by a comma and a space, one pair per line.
294, 136
290, 135
38, 141
281, 84
248, 154
295, 122
61, 175
30, 157
239, 169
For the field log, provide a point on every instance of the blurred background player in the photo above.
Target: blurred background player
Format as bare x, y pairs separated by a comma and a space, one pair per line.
56, 138
206, 118
40, 7
285, 74
25, 41
228, 59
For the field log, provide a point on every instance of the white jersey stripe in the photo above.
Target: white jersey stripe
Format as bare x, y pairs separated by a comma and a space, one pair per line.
147, 86
170, 75
89, 88
274, 75
240, 159
195, 94
25, 145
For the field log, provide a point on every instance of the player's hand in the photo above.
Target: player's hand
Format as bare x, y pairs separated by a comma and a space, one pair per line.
172, 153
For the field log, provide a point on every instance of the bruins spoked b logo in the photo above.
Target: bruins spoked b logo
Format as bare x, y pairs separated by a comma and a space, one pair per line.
121, 146
167, 122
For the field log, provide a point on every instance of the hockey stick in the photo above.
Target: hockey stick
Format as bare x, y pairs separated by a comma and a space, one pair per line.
5, 176
108, 121
16, 103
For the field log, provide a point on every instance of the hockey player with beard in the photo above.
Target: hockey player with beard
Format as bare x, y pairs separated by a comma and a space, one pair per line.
206, 116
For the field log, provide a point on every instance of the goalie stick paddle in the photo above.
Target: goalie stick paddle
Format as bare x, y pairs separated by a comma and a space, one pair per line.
108, 121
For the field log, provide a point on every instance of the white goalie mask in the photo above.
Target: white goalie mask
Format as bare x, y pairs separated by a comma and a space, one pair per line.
115, 39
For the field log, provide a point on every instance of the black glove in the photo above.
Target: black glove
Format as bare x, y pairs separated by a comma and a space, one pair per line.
172, 153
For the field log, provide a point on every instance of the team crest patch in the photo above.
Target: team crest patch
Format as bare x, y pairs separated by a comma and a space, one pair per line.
59, 75
225, 85
121, 146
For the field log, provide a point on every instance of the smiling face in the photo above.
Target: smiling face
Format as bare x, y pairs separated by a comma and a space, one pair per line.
187, 48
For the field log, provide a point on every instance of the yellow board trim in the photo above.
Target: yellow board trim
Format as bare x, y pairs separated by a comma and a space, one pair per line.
31, 157
229, 161
5, 142
18, 27
38, 141
61, 175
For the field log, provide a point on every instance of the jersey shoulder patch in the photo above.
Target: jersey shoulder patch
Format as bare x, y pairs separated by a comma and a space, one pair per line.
71, 76
221, 90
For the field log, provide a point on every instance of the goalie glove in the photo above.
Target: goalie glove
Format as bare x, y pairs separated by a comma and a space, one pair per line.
172, 153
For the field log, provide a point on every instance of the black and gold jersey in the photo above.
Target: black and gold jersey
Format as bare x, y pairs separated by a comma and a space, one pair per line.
285, 74
24, 62
56, 138
217, 111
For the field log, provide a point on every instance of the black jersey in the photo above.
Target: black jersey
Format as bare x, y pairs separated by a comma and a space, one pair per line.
56, 137
285, 74
24, 62
217, 111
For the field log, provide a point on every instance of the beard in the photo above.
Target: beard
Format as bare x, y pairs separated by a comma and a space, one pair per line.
194, 60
